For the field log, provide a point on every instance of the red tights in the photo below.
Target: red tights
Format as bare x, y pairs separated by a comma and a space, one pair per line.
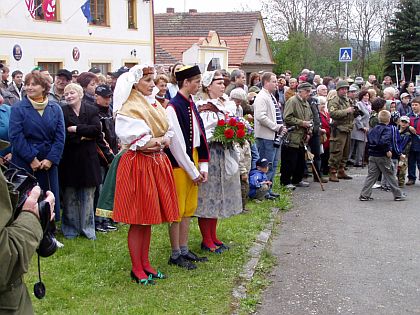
208, 228
139, 246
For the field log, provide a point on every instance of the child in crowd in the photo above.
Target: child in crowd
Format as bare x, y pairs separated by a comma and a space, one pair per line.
259, 185
406, 132
396, 149
414, 159
381, 143
244, 168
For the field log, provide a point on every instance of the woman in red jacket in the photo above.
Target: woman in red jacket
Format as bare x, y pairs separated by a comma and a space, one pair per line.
325, 134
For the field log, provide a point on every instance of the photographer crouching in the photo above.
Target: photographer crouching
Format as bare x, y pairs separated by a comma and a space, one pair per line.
20, 236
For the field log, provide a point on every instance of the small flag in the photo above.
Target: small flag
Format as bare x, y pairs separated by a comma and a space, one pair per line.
86, 11
48, 6
30, 4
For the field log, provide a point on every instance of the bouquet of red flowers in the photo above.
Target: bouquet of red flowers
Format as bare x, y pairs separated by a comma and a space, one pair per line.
233, 130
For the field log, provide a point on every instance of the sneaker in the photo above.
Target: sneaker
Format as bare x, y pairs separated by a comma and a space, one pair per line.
291, 187
401, 198
410, 182
269, 197
193, 257
302, 184
364, 198
101, 228
109, 227
182, 262
376, 186
273, 194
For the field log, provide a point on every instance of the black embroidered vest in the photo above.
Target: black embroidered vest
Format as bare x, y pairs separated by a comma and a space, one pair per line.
184, 109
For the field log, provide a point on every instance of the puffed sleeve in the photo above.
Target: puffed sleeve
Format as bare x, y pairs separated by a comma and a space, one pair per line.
134, 132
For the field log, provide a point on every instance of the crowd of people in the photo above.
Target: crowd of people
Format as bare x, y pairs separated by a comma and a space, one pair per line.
142, 146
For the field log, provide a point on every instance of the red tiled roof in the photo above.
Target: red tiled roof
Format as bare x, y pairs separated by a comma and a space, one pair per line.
177, 32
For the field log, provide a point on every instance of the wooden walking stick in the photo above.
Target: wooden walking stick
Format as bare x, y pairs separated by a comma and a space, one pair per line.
310, 157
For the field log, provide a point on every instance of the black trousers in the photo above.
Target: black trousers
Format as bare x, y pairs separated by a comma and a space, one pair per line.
292, 165
324, 161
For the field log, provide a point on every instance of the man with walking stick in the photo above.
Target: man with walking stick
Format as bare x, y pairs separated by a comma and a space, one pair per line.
297, 113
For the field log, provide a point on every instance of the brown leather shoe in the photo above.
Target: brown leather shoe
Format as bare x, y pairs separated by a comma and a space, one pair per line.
342, 174
333, 175
410, 182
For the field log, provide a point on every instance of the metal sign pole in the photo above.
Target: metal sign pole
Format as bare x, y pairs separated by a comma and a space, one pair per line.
345, 70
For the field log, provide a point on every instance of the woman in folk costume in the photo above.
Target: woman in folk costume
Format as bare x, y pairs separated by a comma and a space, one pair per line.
220, 196
145, 190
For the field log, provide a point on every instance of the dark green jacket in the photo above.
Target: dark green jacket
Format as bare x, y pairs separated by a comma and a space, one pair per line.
337, 109
297, 110
18, 242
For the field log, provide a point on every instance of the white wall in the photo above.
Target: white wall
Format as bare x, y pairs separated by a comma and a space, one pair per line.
54, 41
190, 56
264, 56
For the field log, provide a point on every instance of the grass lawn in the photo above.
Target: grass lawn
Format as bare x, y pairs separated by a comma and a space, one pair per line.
93, 277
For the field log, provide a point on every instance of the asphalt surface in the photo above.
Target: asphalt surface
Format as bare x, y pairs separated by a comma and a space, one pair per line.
338, 255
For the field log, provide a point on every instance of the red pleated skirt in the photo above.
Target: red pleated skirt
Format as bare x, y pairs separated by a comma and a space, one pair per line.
145, 189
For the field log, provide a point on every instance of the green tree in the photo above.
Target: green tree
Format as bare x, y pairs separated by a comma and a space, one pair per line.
403, 37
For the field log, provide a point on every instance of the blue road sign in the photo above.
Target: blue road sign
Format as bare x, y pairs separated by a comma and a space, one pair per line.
346, 54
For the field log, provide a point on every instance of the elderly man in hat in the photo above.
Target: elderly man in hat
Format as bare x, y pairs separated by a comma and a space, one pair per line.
341, 112
297, 114
189, 156
62, 79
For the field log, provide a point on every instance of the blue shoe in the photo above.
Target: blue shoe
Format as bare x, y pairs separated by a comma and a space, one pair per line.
208, 249
222, 247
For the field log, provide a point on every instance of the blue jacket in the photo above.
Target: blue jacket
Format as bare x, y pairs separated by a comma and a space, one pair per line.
4, 126
383, 138
256, 177
415, 140
405, 140
32, 135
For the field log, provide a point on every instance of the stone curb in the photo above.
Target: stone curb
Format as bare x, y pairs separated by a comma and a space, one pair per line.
239, 292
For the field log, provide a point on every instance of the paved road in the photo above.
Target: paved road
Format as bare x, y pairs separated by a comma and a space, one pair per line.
338, 255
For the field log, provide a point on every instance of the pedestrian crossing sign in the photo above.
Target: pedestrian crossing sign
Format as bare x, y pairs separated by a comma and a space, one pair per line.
346, 54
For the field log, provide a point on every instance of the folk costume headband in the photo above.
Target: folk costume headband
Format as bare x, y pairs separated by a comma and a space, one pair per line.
187, 72
208, 78
125, 84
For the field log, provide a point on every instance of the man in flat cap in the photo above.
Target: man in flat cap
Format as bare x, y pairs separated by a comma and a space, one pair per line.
189, 155
62, 79
297, 114
341, 112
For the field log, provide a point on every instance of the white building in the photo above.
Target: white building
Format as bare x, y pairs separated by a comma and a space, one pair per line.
121, 34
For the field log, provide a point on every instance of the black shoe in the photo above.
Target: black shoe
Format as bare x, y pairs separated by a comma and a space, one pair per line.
182, 262
101, 228
193, 257
273, 194
364, 198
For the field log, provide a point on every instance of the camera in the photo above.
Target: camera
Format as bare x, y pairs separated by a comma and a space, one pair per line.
22, 185
357, 112
279, 139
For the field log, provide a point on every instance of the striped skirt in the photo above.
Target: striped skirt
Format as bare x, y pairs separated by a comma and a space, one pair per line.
145, 189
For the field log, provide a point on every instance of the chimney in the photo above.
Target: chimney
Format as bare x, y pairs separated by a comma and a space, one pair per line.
192, 11
170, 10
